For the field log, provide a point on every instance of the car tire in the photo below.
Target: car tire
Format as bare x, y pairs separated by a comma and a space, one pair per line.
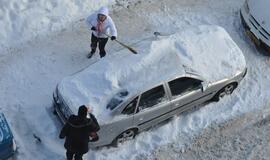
227, 90
125, 136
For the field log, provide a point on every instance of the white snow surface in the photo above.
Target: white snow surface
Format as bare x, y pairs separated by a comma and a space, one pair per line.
205, 49
22, 20
30, 72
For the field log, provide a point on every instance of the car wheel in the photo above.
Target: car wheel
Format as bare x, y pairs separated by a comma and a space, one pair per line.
227, 90
125, 136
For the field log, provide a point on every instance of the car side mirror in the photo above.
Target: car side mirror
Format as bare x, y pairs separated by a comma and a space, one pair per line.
204, 86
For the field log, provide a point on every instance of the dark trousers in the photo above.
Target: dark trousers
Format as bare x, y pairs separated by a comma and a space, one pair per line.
70, 155
101, 42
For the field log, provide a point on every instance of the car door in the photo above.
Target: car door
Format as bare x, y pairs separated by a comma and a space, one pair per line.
185, 93
153, 107
120, 123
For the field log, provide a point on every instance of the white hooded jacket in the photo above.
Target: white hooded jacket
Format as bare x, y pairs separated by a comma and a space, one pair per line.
108, 26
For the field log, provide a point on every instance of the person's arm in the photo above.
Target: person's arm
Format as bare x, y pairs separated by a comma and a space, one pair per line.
113, 29
90, 20
64, 132
95, 125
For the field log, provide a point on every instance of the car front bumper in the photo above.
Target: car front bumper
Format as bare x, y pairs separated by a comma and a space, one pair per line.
56, 106
253, 33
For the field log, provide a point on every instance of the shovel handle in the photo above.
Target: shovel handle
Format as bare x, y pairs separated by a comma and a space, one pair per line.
124, 45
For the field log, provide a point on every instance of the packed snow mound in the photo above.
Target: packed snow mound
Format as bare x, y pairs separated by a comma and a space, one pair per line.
207, 49
210, 51
22, 20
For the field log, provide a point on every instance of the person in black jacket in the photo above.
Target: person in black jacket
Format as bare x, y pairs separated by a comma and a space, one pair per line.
77, 132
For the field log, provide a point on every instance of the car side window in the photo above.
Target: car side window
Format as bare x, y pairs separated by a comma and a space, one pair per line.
152, 97
183, 85
130, 108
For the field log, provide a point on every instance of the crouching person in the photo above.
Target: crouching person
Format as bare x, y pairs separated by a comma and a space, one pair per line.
77, 133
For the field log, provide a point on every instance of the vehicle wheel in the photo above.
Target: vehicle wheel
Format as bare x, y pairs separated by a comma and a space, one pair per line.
227, 90
125, 136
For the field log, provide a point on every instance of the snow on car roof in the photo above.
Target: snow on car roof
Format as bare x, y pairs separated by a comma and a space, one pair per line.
207, 49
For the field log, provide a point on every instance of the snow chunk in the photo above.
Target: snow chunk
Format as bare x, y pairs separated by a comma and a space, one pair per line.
207, 49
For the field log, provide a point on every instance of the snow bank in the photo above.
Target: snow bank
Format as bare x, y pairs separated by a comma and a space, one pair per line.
207, 49
22, 20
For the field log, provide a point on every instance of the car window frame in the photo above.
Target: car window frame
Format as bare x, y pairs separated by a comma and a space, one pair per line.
128, 104
185, 93
152, 107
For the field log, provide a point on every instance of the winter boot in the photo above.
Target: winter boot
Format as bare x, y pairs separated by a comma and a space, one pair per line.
90, 54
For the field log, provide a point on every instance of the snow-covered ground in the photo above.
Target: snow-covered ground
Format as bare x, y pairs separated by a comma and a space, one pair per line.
22, 20
30, 71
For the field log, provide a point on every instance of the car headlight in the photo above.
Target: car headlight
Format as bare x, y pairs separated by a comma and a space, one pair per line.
246, 7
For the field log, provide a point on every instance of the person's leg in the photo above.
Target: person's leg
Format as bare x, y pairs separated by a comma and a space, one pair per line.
101, 46
69, 155
93, 45
78, 156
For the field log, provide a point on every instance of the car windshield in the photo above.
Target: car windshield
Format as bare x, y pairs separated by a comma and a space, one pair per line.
114, 103
117, 99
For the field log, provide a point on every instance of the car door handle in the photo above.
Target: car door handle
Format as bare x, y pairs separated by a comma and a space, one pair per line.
141, 119
176, 104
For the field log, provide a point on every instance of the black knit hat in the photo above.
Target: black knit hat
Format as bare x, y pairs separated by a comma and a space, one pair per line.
82, 112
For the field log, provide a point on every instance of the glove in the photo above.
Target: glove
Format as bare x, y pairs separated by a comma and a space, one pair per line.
113, 38
93, 28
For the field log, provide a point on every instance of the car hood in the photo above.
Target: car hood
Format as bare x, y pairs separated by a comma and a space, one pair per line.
5, 132
260, 10
207, 49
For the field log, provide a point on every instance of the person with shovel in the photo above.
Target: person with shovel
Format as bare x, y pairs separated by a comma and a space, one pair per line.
103, 28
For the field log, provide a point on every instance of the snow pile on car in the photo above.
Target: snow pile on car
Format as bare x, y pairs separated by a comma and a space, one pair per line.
207, 49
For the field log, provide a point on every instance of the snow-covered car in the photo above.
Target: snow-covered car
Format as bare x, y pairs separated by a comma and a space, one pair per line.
255, 17
7, 143
130, 93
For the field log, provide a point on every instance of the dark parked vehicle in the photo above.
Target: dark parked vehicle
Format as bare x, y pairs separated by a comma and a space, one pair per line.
7, 143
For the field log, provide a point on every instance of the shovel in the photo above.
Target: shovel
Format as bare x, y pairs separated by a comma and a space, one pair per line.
124, 45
